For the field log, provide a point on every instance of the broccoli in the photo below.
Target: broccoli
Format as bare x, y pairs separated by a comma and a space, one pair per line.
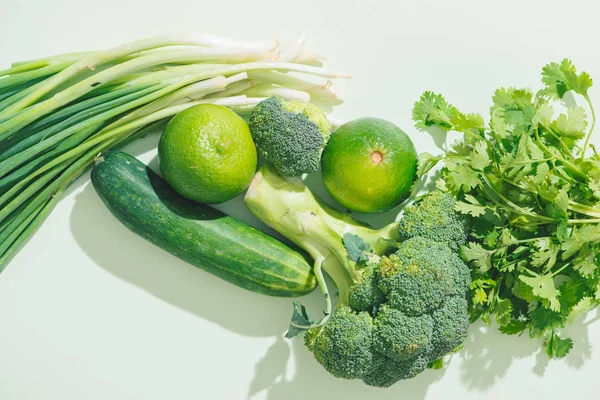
400, 306
291, 135
433, 217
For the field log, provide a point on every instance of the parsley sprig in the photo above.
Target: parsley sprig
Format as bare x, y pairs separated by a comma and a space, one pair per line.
530, 179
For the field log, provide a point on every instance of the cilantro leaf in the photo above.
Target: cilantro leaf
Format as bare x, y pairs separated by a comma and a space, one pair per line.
480, 296
571, 125
543, 321
473, 207
585, 265
560, 78
584, 305
544, 115
461, 177
514, 327
467, 122
432, 109
543, 287
544, 257
427, 162
557, 347
475, 253
503, 312
480, 158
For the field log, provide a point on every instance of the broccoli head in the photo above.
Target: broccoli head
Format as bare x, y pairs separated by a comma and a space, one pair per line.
421, 316
396, 313
434, 217
291, 135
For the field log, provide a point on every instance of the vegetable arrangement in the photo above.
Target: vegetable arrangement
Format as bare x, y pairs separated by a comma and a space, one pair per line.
530, 180
58, 113
511, 233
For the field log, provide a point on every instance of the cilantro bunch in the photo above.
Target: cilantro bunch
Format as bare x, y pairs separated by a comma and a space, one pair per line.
530, 180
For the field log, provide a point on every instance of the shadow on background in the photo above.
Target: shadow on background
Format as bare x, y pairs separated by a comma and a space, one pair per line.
483, 362
311, 381
488, 354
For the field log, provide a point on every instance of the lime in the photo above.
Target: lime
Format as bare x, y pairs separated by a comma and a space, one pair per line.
206, 153
369, 165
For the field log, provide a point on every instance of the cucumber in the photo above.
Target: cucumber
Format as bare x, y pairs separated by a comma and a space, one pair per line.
197, 233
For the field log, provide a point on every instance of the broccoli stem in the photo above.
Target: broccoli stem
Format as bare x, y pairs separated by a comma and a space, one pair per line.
290, 208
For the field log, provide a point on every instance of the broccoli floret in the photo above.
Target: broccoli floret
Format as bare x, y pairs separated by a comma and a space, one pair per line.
290, 135
366, 293
386, 372
399, 336
450, 326
427, 271
343, 346
433, 217
396, 313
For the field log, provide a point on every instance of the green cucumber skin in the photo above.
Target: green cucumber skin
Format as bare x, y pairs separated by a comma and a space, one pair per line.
197, 233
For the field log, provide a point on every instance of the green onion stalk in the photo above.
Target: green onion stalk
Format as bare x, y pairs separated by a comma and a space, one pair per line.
59, 113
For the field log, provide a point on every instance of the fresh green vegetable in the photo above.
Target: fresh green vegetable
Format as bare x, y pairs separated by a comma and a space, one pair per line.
198, 234
434, 217
530, 180
404, 312
394, 314
369, 165
290, 134
58, 113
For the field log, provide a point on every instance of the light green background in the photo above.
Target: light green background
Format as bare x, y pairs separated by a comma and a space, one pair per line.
90, 311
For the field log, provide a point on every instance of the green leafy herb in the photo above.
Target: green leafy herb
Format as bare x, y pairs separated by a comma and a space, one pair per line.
532, 188
557, 347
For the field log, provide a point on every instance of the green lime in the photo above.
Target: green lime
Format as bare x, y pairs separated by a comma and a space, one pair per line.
369, 165
206, 153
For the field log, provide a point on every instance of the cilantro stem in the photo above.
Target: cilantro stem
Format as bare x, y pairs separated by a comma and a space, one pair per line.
589, 135
558, 271
595, 152
561, 141
573, 205
516, 208
529, 240
583, 209
479, 137
568, 163
583, 221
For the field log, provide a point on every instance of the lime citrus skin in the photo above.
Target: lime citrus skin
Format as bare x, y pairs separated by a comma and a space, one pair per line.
206, 153
369, 165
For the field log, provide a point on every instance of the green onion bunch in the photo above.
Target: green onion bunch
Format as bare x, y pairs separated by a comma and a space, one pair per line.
58, 113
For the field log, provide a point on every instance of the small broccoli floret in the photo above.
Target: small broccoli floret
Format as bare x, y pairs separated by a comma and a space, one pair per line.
386, 372
400, 336
366, 293
433, 217
290, 135
395, 313
450, 325
343, 346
